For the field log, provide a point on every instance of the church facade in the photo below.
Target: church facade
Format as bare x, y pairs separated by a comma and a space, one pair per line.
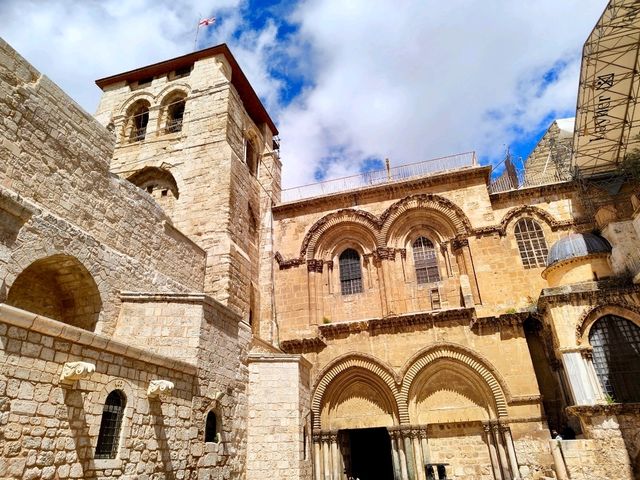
168, 311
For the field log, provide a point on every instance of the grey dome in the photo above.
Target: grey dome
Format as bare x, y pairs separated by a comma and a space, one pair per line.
577, 245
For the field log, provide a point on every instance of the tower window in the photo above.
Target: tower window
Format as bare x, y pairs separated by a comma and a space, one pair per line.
137, 121
109, 435
175, 115
425, 260
251, 157
211, 428
531, 243
350, 272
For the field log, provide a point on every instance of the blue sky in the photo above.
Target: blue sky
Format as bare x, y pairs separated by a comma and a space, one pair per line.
348, 83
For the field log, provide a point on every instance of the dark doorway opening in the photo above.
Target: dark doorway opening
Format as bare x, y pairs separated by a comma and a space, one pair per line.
370, 454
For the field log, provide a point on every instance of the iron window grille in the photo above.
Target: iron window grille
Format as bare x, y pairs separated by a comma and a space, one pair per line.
616, 357
350, 272
109, 435
531, 243
175, 117
425, 260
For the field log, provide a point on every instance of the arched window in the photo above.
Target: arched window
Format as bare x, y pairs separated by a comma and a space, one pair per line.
425, 260
211, 428
109, 435
350, 272
616, 357
175, 114
137, 121
531, 243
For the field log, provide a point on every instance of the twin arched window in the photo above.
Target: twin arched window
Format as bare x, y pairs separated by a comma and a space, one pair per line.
425, 261
350, 272
171, 117
531, 243
616, 357
110, 425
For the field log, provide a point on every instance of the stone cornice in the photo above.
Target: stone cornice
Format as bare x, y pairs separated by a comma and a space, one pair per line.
504, 320
604, 409
601, 290
391, 188
303, 345
560, 187
47, 326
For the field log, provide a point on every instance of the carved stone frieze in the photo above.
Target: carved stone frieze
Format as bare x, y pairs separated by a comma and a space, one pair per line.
159, 387
72, 371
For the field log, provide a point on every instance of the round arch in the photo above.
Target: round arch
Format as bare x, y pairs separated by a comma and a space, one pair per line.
530, 211
433, 208
366, 223
155, 177
625, 310
58, 287
348, 369
464, 358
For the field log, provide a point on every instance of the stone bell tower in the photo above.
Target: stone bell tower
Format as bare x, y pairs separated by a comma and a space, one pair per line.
192, 133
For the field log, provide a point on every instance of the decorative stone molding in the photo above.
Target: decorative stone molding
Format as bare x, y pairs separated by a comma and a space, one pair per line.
604, 409
462, 355
314, 265
303, 345
385, 253
619, 307
504, 320
601, 291
285, 264
458, 243
72, 371
159, 387
341, 364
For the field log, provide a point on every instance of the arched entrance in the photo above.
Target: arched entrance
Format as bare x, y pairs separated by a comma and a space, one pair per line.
58, 287
357, 406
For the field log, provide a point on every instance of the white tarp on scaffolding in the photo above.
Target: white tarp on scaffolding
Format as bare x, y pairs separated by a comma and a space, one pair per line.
607, 120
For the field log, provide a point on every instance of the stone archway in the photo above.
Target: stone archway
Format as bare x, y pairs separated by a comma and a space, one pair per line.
58, 287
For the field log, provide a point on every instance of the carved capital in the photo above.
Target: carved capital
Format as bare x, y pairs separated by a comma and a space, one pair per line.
329, 264
72, 371
159, 387
386, 253
314, 265
403, 253
458, 243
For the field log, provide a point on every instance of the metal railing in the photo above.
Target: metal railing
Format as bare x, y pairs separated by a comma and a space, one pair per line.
526, 179
380, 177
174, 125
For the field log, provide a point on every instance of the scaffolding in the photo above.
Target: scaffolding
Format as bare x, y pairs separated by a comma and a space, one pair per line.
607, 121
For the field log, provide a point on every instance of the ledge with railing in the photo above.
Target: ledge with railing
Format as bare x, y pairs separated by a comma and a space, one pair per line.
381, 177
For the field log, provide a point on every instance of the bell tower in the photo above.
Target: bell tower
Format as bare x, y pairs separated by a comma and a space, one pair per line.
192, 133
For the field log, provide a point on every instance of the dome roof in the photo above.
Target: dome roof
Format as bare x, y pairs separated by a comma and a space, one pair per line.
577, 245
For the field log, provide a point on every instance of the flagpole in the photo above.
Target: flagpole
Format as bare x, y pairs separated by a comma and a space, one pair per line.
195, 43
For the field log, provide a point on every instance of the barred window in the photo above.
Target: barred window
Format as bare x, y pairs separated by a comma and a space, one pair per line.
175, 114
425, 260
211, 428
616, 357
350, 272
531, 243
109, 435
137, 121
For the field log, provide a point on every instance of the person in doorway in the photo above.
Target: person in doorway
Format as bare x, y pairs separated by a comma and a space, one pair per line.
555, 435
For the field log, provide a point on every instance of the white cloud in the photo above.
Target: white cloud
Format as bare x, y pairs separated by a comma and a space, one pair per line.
408, 80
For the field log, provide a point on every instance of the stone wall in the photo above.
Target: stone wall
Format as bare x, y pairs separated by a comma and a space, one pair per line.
278, 433
57, 197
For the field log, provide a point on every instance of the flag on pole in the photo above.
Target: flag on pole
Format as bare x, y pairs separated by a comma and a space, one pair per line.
205, 22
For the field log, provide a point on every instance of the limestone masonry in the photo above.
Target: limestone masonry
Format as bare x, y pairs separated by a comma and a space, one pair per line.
169, 312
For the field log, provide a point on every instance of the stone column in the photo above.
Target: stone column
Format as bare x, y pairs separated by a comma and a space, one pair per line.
502, 454
580, 382
401, 455
493, 454
408, 451
326, 456
395, 455
417, 451
317, 457
336, 462
511, 451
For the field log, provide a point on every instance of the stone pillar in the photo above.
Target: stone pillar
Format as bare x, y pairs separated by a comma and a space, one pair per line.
493, 454
395, 455
326, 456
580, 382
317, 457
401, 455
426, 454
511, 451
336, 462
408, 450
417, 451
502, 454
